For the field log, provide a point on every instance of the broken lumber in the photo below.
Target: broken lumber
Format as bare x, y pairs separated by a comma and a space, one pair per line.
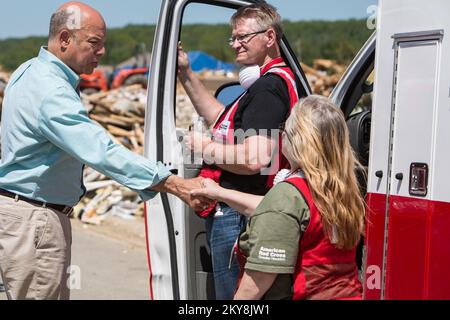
119, 132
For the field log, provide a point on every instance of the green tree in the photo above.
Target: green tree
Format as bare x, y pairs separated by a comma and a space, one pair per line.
338, 40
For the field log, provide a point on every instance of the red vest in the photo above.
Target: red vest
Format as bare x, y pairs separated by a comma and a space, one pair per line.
214, 172
322, 270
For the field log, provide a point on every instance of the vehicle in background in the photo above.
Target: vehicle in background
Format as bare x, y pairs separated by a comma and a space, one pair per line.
94, 82
135, 73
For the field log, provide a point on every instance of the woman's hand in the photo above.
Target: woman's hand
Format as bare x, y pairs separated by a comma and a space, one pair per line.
210, 189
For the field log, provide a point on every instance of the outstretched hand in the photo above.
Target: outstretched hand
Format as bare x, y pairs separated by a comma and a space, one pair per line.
210, 190
182, 189
197, 202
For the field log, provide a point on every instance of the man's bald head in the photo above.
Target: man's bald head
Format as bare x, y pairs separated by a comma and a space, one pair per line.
77, 36
74, 16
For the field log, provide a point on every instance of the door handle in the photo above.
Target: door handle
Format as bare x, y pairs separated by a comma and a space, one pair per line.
399, 176
379, 174
418, 179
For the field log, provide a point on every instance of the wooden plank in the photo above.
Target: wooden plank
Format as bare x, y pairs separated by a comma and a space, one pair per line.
129, 120
119, 132
139, 134
110, 120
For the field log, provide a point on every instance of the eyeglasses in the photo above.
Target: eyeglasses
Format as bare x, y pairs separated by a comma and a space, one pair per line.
244, 38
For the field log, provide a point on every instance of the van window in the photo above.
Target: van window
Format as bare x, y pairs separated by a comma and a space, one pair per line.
365, 102
206, 44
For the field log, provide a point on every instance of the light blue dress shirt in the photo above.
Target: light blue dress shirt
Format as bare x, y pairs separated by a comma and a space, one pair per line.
47, 136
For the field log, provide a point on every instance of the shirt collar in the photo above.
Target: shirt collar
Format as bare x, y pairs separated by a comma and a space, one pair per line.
68, 74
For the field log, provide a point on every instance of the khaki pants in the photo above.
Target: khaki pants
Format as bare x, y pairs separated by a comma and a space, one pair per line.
35, 254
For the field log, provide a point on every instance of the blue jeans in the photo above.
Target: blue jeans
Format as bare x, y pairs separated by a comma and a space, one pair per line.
222, 232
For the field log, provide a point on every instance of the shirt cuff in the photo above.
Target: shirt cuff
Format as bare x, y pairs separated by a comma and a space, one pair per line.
161, 174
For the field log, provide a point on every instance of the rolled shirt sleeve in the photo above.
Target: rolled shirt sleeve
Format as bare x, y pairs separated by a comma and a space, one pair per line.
65, 122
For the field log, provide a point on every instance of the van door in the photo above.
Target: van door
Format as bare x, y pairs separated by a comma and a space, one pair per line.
417, 61
399, 225
178, 254
408, 198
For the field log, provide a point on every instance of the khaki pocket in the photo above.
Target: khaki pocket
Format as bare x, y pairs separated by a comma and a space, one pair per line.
40, 222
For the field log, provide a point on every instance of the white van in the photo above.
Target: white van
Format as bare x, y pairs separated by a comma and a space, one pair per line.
403, 139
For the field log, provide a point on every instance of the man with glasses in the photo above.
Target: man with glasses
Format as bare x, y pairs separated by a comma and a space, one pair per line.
271, 92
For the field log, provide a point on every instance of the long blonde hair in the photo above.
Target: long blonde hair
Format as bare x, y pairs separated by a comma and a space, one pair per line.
318, 143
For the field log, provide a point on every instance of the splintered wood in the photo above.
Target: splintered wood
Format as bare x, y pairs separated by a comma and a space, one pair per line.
323, 75
4, 77
121, 113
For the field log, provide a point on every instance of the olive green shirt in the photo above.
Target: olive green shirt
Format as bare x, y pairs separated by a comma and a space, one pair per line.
271, 239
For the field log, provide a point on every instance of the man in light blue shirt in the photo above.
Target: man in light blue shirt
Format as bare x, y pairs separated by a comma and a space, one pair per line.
47, 137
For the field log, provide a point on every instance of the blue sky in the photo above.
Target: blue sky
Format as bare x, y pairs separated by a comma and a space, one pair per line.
20, 18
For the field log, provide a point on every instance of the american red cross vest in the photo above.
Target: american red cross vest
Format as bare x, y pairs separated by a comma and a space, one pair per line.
322, 271
224, 126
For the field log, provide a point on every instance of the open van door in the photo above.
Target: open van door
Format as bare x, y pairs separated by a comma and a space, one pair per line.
179, 257
178, 254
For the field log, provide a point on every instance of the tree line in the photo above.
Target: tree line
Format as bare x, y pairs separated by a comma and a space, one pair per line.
337, 40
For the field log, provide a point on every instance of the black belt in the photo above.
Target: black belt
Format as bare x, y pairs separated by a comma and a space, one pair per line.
59, 207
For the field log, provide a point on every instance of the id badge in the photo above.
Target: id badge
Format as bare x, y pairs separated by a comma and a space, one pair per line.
221, 133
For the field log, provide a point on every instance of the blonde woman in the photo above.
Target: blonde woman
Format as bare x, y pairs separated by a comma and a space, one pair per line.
300, 241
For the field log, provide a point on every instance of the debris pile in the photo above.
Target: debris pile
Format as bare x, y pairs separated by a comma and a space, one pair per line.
106, 197
185, 110
121, 112
323, 75
4, 77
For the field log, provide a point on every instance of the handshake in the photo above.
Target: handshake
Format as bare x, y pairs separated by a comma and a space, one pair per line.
182, 188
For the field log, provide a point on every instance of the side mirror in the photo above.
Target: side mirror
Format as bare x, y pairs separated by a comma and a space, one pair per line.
359, 130
229, 92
